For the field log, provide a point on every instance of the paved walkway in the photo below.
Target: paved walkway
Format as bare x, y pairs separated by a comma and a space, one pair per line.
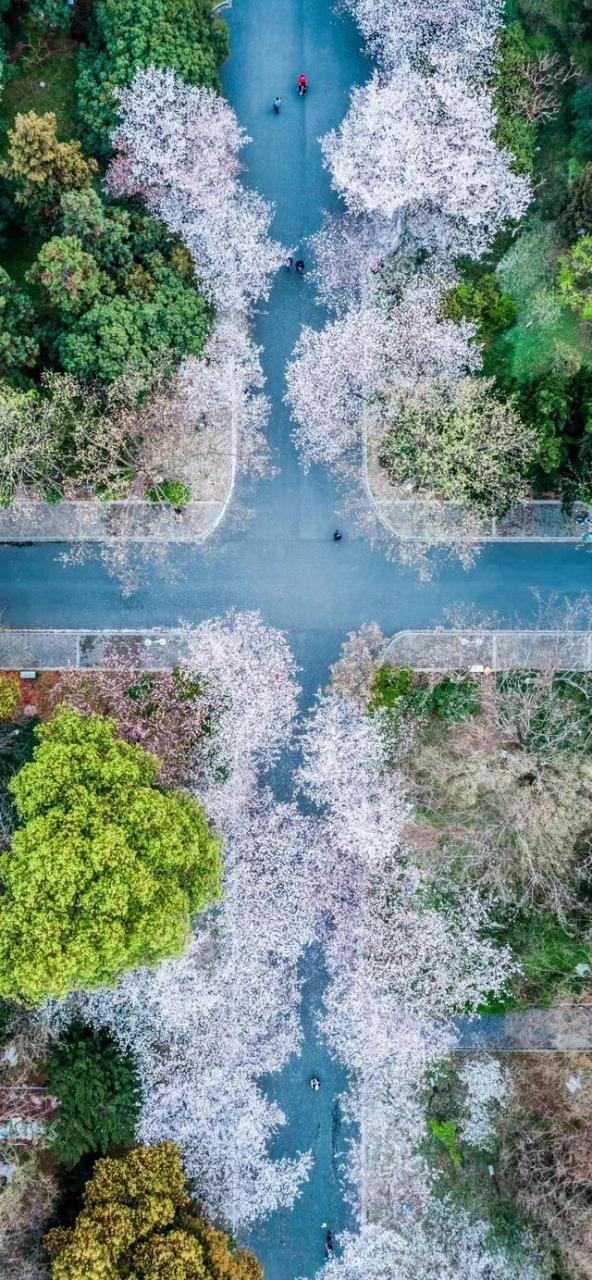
107, 521
162, 648
417, 521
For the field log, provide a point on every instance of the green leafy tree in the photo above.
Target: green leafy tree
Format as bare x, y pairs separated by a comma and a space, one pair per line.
138, 1220
460, 443
149, 335
97, 1089
19, 346
68, 276
103, 231
483, 303
105, 871
582, 110
513, 130
39, 168
575, 277
184, 35
577, 217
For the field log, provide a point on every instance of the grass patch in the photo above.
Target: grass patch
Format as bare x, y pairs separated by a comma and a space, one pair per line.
44, 80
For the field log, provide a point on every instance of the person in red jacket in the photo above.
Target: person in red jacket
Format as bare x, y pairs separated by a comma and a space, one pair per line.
302, 85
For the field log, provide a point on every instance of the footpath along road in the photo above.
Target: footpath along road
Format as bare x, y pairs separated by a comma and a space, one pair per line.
283, 561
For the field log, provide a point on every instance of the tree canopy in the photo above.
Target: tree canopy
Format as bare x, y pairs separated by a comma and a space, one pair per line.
98, 1093
138, 1220
106, 869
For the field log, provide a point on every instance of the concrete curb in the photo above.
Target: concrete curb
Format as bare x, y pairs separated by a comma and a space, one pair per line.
160, 649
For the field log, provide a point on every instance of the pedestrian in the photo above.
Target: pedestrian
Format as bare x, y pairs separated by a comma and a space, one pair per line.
329, 1249
337, 535
289, 262
302, 85
300, 266
315, 1083
277, 102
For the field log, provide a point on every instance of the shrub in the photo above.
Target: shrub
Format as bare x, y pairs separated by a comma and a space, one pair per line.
453, 699
179, 495
390, 688
106, 870
483, 303
98, 1093
10, 696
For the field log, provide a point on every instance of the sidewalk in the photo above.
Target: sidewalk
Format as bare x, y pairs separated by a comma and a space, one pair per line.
417, 521
499, 650
160, 649
99, 521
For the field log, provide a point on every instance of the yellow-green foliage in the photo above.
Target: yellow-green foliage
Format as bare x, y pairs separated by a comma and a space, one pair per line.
10, 696
137, 1220
105, 871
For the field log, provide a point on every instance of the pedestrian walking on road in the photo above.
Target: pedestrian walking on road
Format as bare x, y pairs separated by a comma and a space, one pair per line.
289, 262
302, 85
300, 267
277, 102
337, 536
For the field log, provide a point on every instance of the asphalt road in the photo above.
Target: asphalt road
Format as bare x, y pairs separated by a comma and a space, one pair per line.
283, 561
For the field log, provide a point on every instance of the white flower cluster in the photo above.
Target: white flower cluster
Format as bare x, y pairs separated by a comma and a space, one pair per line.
416, 163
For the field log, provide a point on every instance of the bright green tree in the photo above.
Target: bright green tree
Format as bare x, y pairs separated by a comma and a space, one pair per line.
105, 871
138, 1221
39, 168
98, 1093
69, 277
19, 347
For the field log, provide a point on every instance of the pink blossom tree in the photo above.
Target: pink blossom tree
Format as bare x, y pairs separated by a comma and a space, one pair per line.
334, 373
178, 147
414, 32
416, 143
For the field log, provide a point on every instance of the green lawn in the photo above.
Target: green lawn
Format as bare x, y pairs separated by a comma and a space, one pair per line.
43, 82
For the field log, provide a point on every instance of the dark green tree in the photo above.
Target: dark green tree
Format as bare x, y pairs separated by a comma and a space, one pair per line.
19, 345
67, 276
134, 34
97, 1089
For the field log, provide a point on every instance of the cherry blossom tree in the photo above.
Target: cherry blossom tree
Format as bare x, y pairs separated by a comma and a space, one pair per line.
416, 142
336, 371
178, 147
444, 1242
419, 31
401, 962
487, 1087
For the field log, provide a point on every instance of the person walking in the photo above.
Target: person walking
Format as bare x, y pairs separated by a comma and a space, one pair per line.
302, 85
300, 267
277, 102
337, 536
